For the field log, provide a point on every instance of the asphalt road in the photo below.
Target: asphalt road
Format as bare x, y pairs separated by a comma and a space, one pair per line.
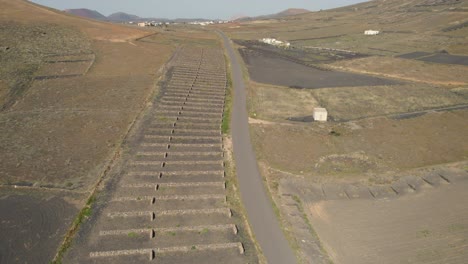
256, 200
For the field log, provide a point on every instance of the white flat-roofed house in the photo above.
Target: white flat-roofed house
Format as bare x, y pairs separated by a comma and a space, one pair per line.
275, 42
371, 32
320, 114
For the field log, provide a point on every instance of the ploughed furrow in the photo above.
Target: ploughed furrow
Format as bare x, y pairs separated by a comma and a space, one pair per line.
170, 205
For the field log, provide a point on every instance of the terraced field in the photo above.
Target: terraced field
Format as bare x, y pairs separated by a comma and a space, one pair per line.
170, 205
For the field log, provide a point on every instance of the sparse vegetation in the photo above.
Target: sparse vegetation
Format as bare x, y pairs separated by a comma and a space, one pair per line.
225, 126
83, 215
132, 235
203, 231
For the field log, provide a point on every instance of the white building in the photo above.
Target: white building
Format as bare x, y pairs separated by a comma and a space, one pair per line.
143, 24
320, 114
203, 23
275, 42
371, 32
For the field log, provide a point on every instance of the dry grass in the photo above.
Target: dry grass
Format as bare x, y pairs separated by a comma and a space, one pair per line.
357, 102
276, 103
62, 132
410, 70
404, 30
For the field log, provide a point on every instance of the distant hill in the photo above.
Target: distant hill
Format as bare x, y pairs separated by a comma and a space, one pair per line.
83, 12
123, 17
285, 13
292, 12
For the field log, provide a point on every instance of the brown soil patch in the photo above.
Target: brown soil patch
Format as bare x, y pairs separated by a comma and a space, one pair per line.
62, 132
363, 147
370, 231
4, 89
58, 149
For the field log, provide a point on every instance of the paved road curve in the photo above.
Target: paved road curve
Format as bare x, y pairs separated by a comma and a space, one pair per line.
257, 203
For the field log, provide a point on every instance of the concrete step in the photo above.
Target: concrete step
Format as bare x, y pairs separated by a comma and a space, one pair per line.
186, 113
178, 102
180, 82
200, 119
167, 237
190, 71
194, 92
176, 166
196, 118
169, 163
179, 157
177, 176
165, 218
175, 147
197, 87
168, 202
210, 83
155, 232
176, 173
154, 215
193, 99
182, 106
200, 253
183, 132
200, 95
182, 139
184, 125
162, 185
157, 200
187, 188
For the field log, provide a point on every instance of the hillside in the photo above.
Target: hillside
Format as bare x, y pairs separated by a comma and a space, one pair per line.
418, 25
83, 12
66, 103
292, 12
123, 17
282, 14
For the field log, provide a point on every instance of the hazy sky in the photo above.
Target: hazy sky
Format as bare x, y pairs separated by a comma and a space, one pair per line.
194, 8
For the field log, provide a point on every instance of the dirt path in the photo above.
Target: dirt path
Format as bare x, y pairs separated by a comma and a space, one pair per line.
257, 202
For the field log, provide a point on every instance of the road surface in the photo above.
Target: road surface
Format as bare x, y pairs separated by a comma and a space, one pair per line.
256, 200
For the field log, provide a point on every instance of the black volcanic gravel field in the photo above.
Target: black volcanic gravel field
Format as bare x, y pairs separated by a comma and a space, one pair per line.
269, 69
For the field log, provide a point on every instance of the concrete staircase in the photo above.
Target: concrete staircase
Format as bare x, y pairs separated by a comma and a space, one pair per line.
170, 204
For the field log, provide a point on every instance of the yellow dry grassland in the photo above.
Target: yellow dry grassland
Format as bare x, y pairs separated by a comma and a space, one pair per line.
346, 103
410, 70
277, 103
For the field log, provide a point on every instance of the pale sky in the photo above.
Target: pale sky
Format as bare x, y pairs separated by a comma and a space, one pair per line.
210, 9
